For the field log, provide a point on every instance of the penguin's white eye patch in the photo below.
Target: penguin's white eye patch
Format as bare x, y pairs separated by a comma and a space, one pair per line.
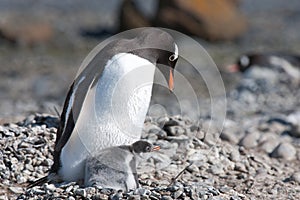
245, 60
173, 57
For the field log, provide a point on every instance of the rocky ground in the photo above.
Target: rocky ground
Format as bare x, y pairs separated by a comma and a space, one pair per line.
255, 156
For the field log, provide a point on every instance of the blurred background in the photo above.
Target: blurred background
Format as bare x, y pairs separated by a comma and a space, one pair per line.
42, 43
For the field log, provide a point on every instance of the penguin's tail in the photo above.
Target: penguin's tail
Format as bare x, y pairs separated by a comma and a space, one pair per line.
51, 177
40, 181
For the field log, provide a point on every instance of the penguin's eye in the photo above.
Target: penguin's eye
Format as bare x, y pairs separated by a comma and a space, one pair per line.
173, 57
244, 61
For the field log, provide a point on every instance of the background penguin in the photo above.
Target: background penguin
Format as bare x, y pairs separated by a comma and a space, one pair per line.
281, 62
103, 107
115, 167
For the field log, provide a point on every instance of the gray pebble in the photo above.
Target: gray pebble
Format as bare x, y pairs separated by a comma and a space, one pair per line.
38, 191
235, 155
269, 145
235, 198
142, 191
229, 136
50, 187
161, 160
216, 169
90, 190
171, 122
174, 130
69, 189
240, 167
80, 192
296, 177
116, 196
225, 189
16, 190
178, 193
284, 150
250, 140
179, 138
161, 121
193, 169
213, 190
21, 179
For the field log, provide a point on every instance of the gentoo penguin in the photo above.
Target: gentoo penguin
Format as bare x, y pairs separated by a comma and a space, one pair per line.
115, 167
288, 63
107, 103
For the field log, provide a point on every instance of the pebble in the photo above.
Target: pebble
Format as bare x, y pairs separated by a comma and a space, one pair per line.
235, 155
50, 187
250, 140
269, 145
178, 194
228, 136
296, 177
16, 190
216, 169
27, 155
284, 150
174, 130
115, 196
193, 169
81, 192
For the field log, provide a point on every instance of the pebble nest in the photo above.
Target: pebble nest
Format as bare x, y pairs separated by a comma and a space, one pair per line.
256, 155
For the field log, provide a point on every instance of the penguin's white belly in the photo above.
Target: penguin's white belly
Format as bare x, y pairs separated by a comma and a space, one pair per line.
113, 112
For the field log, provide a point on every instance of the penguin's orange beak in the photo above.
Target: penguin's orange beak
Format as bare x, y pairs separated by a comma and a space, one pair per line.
232, 68
171, 80
156, 148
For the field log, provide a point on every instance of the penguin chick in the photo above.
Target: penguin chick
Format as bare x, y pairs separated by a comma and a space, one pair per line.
115, 167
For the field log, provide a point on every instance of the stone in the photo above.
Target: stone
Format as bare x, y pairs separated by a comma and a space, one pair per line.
50, 187
296, 177
284, 150
229, 136
235, 155
142, 191
174, 130
269, 145
216, 169
16, 190
81, 192
250, 140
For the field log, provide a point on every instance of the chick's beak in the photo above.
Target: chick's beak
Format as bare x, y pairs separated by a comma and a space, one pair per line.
171, 80
155, 148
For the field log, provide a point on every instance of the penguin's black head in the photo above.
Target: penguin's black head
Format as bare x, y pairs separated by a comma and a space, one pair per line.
158, 47
143, 147
244, 62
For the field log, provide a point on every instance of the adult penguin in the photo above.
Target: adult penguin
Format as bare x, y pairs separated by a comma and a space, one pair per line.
107, 103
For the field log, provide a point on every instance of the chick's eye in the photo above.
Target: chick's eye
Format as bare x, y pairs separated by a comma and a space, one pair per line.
173, 57
148, 148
